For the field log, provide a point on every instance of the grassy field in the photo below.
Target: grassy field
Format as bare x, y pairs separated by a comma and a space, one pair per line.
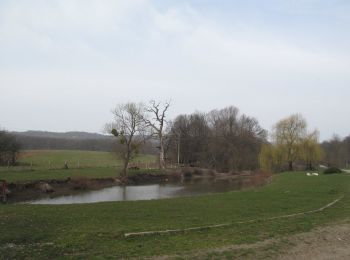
49, 165
96, 230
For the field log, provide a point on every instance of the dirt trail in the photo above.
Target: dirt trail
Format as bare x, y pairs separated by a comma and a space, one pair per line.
330, 242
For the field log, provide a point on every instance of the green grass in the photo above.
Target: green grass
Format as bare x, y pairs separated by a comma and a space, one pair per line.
96, 230
43, 159
48, 164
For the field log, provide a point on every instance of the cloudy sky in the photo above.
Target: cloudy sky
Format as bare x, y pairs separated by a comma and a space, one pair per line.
65, 64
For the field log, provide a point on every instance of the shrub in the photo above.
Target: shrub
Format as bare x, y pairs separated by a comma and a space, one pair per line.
332, 170
80, 183
9, 148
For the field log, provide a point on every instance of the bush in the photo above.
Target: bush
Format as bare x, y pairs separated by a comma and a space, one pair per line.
332, 170
9, 148
80, 183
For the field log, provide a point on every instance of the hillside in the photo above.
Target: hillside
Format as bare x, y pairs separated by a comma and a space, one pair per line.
66, 135
42, 140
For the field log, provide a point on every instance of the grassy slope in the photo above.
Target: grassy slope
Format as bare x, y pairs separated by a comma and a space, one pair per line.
97, 229
92, 164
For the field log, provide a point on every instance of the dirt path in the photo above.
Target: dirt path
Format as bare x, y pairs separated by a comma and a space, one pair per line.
330, 242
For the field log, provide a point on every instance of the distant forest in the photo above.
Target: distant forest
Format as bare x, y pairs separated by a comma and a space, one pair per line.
192, 139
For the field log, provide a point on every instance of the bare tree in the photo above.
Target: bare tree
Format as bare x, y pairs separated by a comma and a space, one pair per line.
130, 128
337, 151
157, 124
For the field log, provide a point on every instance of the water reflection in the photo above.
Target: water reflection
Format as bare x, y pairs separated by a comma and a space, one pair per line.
190, 187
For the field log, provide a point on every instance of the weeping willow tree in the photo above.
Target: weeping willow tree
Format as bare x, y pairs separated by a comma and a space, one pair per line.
311, 151
290, 143
288, 134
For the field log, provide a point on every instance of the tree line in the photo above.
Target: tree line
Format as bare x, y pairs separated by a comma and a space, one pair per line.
337, 152
223, 139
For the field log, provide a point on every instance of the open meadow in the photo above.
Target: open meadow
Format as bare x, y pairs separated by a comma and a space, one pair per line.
49, 164
98, 229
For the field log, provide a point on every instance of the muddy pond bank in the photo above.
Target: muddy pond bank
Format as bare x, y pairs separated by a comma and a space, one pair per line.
137, 186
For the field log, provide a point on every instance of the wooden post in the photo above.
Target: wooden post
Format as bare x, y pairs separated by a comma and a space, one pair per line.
78, 164
49, 165
31, 165
178, 151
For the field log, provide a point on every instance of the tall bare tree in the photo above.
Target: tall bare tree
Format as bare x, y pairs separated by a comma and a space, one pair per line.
157, 124
130, 128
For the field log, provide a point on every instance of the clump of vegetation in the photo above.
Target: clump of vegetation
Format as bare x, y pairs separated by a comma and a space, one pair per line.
80, 183
196, 171
337, 151
187, 173
332, 170
9, 149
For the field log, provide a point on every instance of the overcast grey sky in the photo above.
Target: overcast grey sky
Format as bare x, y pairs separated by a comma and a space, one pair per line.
65, 64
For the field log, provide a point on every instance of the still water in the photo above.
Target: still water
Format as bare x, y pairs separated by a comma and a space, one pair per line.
151, 191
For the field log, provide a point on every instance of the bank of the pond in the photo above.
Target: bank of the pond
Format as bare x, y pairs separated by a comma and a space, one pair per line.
97, 230
46, 189
31, 190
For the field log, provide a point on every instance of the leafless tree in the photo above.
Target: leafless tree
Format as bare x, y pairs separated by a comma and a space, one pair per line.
130, 128
157, 122
337, 151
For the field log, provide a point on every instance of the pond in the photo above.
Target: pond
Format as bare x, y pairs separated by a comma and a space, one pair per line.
192, 187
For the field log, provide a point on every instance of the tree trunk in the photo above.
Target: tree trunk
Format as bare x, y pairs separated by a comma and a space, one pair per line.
161, 154
309, 166
290, 165
13, 158
126, 164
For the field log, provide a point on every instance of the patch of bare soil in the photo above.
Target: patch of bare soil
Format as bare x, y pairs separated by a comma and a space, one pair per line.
330, 242
25, 154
